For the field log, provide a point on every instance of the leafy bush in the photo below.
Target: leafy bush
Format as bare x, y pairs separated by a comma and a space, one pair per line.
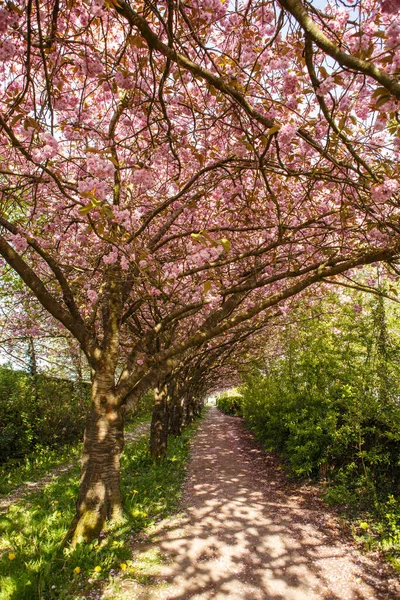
328, 401
230, 405
39, 411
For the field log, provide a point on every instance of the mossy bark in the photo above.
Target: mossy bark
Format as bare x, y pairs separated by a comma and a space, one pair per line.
159, 423
99, 496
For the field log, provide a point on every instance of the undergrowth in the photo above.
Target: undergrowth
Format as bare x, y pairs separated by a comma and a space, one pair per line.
328, 401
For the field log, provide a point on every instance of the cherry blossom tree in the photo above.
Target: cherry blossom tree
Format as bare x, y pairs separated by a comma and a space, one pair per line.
173, 171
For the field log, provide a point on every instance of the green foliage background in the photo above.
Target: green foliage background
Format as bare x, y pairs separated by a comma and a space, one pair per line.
327, 398
39, 411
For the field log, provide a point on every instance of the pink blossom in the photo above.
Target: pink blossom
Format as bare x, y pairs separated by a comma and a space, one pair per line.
7, 50
384, 191
91, 66
97, 8
287, 133
390, 6
290, 83
19, 242
111, 258
92, 295
125, 82
99, 166
326, 86
5, 20
143, 177
124, 263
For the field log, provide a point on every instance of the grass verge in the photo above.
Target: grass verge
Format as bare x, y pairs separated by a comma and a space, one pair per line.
39, 463
374, 523
14, 474
31, 565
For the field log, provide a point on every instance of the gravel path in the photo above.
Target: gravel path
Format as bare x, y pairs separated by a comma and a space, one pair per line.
37, 486
249, 533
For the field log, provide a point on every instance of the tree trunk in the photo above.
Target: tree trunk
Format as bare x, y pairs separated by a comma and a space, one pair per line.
99, 492
176, 416
198, 407
159, 423
33, 368
189, 411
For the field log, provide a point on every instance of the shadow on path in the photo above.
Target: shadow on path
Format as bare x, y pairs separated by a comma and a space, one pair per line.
248, 533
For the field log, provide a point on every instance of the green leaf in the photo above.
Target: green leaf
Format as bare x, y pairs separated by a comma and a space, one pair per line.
225, 244
380, 91
382, 100
85, 210
207, 286
273, 129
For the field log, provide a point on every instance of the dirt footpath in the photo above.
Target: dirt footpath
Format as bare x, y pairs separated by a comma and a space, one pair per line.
250, 534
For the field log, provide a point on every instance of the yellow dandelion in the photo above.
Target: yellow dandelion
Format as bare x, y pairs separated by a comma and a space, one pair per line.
12, 556
97, 569
58, 514
123, 566
77, 570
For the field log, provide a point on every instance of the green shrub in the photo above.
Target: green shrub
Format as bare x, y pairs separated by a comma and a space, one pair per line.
328, 401
230, 405
39, 411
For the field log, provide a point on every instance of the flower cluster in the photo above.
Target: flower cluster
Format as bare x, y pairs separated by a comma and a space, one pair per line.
125, 82
286, 134
204, 256
97, 188
390, 6
111, 258
384, 191
212, 10
91, 66
143, 177
99, 167
7, 50
289, 84
340, 20
6, 18
97, 8
326, 86
50, 148
393, 34
19, 242
93, 296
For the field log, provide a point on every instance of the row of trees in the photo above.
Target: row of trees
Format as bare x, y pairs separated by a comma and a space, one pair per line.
173, 174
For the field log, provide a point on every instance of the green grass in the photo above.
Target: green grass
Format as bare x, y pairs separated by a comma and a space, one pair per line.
376, 527
35, 466
31, 565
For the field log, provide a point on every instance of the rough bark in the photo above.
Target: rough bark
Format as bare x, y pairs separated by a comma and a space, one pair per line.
159, 423
99, 492
189, 411
176, 416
